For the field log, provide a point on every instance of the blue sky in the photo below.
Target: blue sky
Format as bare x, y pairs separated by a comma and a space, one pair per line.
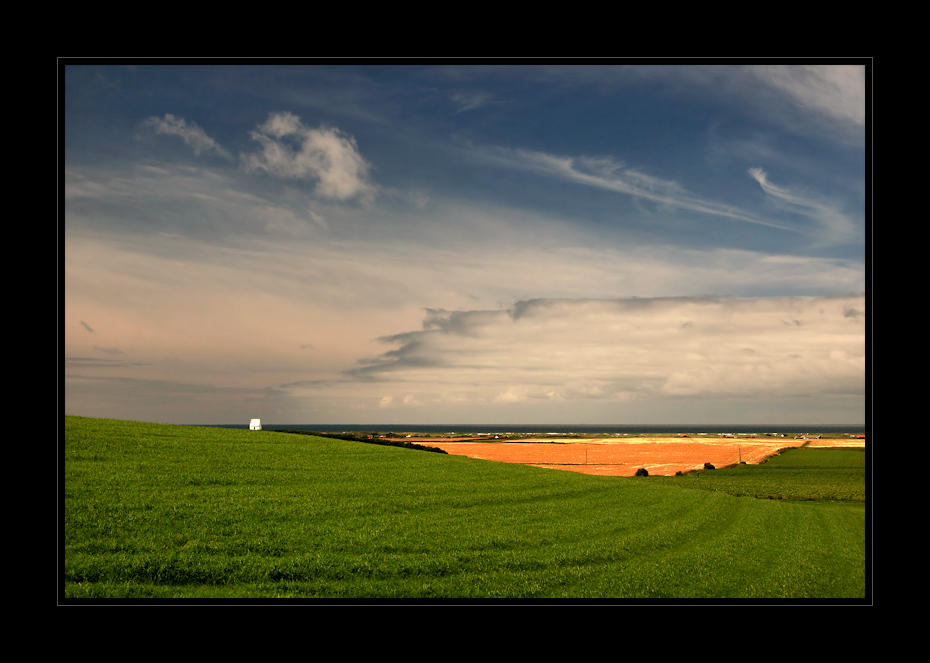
465, 244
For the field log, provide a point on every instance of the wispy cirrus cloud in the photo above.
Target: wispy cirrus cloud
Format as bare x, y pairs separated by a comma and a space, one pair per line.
191, 134
836, 225
473, 100
810, 99
613, 175
326, 155
835, 91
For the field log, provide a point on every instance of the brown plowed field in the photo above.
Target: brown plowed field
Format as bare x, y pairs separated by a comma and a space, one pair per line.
621, 458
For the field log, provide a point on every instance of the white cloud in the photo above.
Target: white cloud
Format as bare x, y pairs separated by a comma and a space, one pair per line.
467, 101
190, 317
617, 350
189, 133
608, 173
184, 201
837, 227
325, 155
816, 100
836, 91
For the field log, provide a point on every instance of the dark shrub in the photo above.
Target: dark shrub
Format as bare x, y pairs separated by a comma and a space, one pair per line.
642, 472
708, 466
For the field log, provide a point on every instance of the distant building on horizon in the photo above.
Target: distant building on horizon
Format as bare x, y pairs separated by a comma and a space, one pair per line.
255, 424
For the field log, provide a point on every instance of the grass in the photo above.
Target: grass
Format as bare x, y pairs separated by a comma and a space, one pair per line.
826, 474
155, 511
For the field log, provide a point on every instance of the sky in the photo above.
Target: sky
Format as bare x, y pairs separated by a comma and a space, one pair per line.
506, 243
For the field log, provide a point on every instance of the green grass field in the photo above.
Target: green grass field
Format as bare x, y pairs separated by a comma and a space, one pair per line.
191, 512
825, 474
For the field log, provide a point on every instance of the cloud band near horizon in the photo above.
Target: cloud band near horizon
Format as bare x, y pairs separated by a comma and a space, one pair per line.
632, 348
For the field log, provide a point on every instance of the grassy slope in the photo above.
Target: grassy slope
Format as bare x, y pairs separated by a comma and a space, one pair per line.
173, 511
796, 474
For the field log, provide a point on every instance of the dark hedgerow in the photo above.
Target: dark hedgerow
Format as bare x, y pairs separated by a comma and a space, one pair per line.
368, 439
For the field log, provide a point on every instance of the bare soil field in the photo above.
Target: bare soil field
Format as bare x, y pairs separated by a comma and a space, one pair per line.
612, 457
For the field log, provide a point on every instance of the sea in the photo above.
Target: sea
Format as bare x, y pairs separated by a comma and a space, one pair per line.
566, 429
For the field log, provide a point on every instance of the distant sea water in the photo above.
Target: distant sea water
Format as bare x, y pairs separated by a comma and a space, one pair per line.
544, 429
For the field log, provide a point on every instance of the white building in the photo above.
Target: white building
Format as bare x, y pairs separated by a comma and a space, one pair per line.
255, 424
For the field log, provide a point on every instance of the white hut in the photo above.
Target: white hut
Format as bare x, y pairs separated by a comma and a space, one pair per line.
255, 424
